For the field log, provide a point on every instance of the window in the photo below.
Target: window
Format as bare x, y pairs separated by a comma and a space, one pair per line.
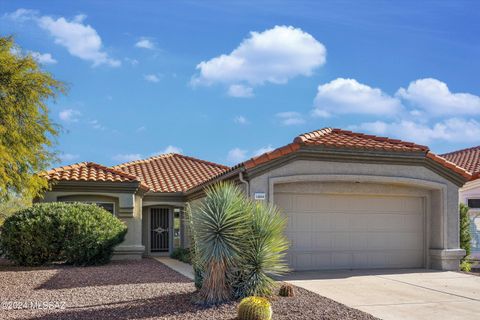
473, 203
109, 206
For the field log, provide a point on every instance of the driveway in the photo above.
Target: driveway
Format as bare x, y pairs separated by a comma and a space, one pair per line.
398, 294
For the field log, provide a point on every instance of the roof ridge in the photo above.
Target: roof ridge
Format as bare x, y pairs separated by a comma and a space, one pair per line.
170, 154
316, 133
69, 166
459, 151
120, 172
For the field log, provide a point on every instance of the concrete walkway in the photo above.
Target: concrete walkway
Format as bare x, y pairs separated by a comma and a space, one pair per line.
179, 266
398, 294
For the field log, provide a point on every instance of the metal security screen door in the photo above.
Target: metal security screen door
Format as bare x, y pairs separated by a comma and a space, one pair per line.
159, 229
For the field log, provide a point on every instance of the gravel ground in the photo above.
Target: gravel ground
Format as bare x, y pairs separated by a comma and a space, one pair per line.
143, 289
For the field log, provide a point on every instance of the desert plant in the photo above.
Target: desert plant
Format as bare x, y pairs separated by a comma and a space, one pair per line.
219, 225
254, 308
75, 233
466, 265
264, 253
465, 236
286, 290
181, 254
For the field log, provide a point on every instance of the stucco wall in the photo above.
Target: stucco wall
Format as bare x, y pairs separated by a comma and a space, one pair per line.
128, 208
443, 222
471, 190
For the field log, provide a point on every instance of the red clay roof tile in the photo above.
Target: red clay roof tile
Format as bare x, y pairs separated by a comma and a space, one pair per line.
172, 172
90, 171
468, 159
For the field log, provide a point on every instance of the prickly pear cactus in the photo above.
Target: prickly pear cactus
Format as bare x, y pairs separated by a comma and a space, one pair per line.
254, 308
286, 290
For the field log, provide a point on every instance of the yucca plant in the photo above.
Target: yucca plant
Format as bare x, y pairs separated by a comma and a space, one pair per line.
219, 224
265, 252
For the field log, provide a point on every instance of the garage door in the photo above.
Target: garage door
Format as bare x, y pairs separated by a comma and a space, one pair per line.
353, 231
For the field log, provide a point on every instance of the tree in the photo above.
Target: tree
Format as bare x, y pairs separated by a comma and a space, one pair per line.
465, 236
26, 132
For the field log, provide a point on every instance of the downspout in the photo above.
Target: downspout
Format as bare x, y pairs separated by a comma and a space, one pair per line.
245, 182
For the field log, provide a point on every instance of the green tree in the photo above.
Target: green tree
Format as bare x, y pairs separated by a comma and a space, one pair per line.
465, 236
26, 131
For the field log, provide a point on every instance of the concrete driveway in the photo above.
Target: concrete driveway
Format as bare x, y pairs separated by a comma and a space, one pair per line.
398, 294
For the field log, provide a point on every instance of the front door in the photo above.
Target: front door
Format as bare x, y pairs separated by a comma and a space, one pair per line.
159, 229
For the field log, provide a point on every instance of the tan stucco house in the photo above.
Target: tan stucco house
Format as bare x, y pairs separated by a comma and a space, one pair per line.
469, 159
353, 201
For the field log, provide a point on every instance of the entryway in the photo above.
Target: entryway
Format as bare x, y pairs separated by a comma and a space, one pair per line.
159, 226
398, 294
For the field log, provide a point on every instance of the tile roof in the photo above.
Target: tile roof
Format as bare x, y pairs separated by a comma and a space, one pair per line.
468, 159
338, 138
343, 139
90, 171
172, 172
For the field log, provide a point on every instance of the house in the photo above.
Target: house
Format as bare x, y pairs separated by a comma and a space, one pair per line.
352, 200
469, 159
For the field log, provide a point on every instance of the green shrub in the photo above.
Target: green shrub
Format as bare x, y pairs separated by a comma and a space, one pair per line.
466, 265
75, 233
465, 237
181, 254
254, 308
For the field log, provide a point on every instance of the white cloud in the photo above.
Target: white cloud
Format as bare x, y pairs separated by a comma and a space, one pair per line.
127, 157
236, 155
450, 130
273, 56
240, 91
145, 43
96, 125
348, 96
171, 149
81, 40
435, 98
240, 120
21, 15
44, 58
64, 157
69, 115
131, 61
141, 129
290, 118
262, 150
151, 78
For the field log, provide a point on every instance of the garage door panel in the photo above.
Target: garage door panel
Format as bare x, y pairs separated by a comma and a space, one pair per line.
334, 231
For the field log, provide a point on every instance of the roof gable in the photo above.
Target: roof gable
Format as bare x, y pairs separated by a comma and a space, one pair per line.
90, 171
468, 159
171, 172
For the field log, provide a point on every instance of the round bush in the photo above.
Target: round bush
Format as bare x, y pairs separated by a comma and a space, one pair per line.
75, 233
254, 308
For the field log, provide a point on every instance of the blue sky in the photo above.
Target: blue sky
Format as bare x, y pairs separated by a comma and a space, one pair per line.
223, 81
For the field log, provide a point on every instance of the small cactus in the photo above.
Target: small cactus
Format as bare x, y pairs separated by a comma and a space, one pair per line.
286, 290
254, 308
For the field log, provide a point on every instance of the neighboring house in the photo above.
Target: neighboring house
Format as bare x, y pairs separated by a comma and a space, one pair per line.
352, 200
469, 159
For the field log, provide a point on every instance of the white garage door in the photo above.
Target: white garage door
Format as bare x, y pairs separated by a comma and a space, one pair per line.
354, 231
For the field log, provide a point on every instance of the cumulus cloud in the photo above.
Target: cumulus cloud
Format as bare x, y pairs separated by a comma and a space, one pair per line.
450, 130
348, 96
69, 115
262, 150
151, 78
240, 91
126, 157
64, 157
171, 149
273, 56
81, 40
290, 118
240, 120
43, 58
236, 155
435, 98
145, 43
